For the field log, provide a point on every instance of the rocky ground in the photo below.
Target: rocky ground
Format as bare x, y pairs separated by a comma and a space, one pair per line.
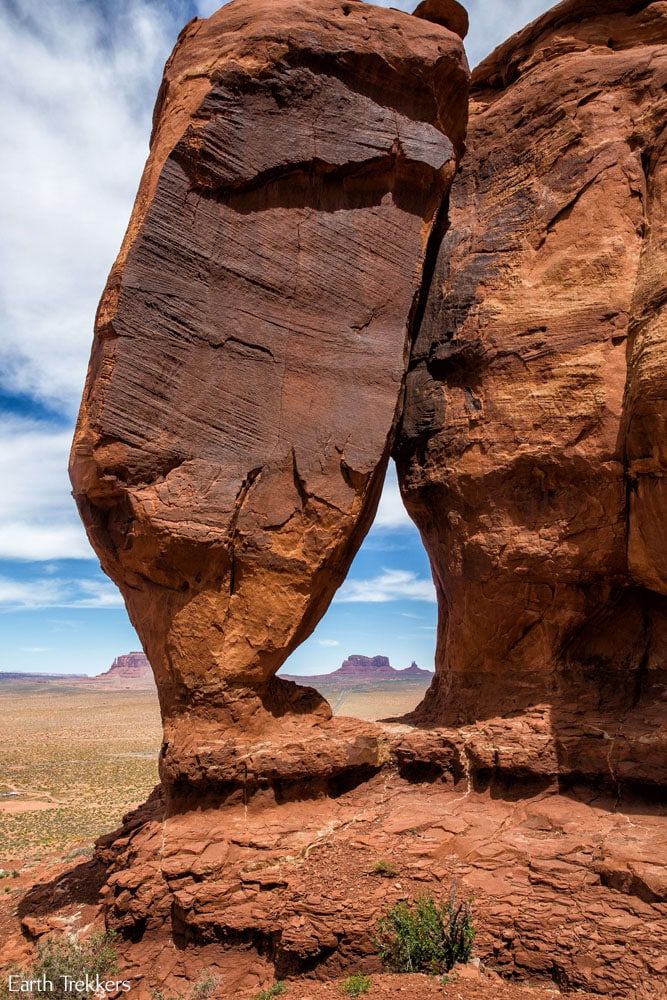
465, 984
570, 891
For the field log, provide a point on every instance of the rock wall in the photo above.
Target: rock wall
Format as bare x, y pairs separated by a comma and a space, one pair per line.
300, 292
532, 445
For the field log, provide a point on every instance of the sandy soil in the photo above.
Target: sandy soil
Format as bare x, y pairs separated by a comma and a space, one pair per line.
72, 762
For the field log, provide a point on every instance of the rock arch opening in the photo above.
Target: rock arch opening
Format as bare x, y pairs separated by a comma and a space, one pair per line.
372, 655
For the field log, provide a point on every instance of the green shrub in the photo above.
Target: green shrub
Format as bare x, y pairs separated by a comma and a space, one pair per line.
67, 956
425, 936
205, 986
273, 991
385, 869
355, 986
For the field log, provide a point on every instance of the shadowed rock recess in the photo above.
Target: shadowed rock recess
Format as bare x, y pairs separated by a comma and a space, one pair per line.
316, 276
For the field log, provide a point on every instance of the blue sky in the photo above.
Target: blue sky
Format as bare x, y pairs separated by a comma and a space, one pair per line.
78, 80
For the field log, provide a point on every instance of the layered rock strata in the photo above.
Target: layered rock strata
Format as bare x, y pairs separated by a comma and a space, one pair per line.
532, 444
130, 666
250, 347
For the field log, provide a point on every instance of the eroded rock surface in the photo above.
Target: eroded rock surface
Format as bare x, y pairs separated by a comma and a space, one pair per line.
564, 888
250, 346
532, 445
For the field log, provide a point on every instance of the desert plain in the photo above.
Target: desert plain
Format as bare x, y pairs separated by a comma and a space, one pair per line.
72, 762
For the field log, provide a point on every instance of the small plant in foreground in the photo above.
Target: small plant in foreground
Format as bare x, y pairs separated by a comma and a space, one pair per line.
273, 991
205, 986
384, 869
58, 958
356, 986
426, 936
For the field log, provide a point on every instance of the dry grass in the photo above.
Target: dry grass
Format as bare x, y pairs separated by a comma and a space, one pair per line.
382, 702
78, 760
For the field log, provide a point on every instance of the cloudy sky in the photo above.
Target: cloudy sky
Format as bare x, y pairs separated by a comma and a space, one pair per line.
78, 80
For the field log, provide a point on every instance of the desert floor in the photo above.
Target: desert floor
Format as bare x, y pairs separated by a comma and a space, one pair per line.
72, 762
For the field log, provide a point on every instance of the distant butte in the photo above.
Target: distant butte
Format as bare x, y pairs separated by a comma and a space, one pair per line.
131, 666
359, 669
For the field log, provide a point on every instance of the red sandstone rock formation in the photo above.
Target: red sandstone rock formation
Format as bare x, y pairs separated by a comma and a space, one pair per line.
356, 664
250, 345
532, 447
364, 670
264, 890
415, 671
246, 383
131, 666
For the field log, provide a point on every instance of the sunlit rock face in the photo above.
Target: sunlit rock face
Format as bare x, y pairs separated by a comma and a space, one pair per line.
300, 292
532, 445
250, 348
306, 287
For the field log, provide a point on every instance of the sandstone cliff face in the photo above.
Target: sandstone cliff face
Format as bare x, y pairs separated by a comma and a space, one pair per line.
531, 451
293, 249
250, 346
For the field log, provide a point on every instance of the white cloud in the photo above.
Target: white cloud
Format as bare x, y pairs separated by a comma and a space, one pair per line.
76, 91
96, 594
390, 585
35, 649
38, 518
328, 642
22, 595
391, 512
492, 24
